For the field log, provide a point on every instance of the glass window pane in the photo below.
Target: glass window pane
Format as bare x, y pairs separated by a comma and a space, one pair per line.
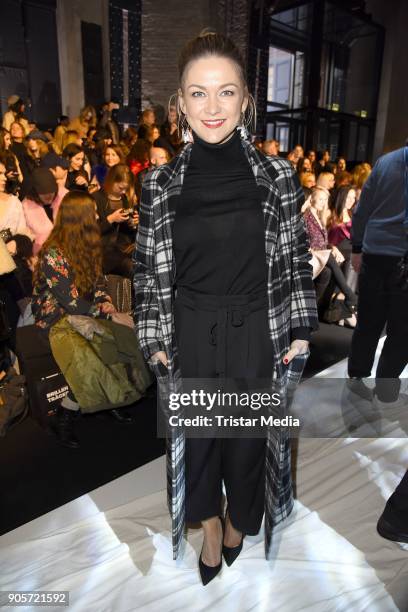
270, 131
351, 49
285, 78
282, 135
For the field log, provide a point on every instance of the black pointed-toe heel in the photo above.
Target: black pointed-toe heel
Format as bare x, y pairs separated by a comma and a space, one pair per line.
207, 572
231, 553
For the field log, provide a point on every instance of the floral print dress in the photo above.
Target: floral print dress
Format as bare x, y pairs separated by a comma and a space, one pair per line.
55, 293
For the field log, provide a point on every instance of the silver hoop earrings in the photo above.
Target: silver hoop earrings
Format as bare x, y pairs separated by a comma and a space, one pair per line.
243, 132
186, 135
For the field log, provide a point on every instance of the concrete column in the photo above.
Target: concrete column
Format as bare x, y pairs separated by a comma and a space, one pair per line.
69, 16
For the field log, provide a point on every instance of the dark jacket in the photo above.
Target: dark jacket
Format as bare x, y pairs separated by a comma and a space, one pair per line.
379, 216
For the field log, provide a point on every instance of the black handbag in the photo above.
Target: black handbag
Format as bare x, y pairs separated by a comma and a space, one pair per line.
336, 311
13, 401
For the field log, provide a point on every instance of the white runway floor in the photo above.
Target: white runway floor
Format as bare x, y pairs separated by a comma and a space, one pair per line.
111, 548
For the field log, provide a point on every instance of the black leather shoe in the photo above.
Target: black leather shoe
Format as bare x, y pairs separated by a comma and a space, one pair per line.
120, 416
230, 553
207, 572
388, 531
64, 429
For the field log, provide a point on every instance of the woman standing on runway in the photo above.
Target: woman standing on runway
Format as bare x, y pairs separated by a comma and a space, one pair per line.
222, 250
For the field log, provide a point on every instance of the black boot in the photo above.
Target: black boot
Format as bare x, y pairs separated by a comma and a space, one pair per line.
64, 429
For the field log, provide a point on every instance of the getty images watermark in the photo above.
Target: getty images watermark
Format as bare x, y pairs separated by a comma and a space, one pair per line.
319, 408
198, 411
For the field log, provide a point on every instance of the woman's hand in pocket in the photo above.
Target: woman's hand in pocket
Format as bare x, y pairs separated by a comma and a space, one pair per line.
160, 356
297, 347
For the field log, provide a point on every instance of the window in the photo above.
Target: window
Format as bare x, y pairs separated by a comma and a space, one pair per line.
285, 79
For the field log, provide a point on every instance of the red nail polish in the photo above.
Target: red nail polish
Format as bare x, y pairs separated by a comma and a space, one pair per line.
285, 361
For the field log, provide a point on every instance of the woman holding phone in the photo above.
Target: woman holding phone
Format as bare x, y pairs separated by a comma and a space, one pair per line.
118, 218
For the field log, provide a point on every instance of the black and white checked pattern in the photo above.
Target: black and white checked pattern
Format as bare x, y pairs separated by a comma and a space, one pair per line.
292, 303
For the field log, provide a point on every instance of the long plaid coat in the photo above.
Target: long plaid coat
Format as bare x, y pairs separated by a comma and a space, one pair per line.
292, 303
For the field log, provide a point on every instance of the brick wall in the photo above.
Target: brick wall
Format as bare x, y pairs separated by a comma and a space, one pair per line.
166, 26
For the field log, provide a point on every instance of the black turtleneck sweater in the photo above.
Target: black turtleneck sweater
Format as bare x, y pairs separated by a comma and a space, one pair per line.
219, 235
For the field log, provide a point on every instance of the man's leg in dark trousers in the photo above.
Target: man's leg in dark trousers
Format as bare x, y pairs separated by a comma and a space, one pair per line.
394, 355
371, 318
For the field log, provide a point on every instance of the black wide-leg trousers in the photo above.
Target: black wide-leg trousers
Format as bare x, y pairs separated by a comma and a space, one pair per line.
224, 337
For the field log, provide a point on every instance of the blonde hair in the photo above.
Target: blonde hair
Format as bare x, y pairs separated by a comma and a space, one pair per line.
360, 174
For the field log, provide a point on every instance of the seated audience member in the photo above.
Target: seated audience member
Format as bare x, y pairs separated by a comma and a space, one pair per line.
78, 177
311, 156
291, 156
11, 210
118, 220
152, 133
12, 296
159, 154
18, 147
59, 168
324, 255
89, 147
37, 148
71, 137
326, 180
41, 205
15, 112
22, 252
112, 155
298, 152
13, 170
341, 164
307, 179
68, 281
82, 123
270, 147
170, 132
339, 222
60, 132
331, 167
360, 174
343, 178
138, 158
307, 192
128, 140
303, 165
322, 159
147, 119
108, 123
